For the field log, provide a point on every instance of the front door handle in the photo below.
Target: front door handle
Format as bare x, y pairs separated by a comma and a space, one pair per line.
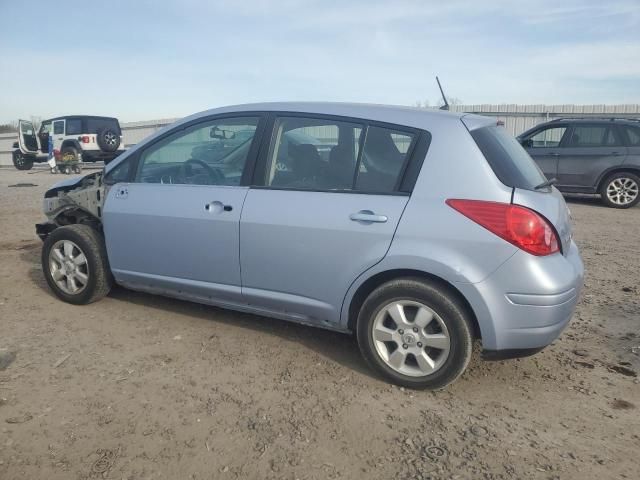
217, 207
367, 216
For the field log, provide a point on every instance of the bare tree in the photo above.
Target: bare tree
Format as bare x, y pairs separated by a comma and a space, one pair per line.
451, 100
422, 104
8, 128
36, 121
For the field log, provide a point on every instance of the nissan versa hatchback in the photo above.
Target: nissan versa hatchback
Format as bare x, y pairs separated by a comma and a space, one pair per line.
419, 231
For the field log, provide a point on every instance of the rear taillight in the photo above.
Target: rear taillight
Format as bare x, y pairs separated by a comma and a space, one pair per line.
516, 224
86, 139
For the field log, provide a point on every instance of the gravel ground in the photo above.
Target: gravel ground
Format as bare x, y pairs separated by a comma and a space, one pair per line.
141, 387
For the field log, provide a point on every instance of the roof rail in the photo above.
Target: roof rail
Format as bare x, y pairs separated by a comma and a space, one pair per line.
596, 118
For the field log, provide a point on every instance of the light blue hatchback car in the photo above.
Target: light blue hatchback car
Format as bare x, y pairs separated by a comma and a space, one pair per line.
417, 230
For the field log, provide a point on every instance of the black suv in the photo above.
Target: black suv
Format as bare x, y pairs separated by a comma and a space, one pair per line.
589, 155
74, 137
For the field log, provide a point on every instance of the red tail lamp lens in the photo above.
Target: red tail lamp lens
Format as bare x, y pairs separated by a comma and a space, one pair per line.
518, 225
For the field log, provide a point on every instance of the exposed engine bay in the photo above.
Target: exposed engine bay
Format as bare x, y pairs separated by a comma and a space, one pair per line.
73, 201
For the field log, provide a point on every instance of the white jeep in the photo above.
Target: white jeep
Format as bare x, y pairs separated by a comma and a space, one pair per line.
75, 138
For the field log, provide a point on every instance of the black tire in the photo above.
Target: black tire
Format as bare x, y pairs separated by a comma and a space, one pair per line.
91, 243
633, 183
69, 154
22, 161
447, 307
108, 139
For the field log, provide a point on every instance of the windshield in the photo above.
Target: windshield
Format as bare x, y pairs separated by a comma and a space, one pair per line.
509, 161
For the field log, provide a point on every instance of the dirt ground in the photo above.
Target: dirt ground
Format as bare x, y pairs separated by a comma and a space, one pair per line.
141, 387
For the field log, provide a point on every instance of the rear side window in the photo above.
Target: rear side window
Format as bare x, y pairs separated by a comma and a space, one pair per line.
95, 124
74, 126
633, 136
58, 127
383, 157
313, 154
592, 136
509, 161
325, 155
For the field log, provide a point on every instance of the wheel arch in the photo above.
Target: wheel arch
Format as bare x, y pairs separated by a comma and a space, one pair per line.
75, 215
379, 278
71, 143
617, 169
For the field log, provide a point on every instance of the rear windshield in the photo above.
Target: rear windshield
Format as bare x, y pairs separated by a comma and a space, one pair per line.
92, 125
509, 161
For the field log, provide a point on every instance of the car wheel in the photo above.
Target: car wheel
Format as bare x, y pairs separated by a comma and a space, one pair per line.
108, 140
74, 262
415, 333
21, 161
621, 190
69, 154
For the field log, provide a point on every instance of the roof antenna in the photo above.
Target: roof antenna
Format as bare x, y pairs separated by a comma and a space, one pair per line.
446, 104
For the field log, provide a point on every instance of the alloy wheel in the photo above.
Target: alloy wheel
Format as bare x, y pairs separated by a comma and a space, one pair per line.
622, 190
110, 138
69, 267
411, 338
20, 162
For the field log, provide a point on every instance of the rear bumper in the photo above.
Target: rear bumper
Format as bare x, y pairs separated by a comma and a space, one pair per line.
99, 155
527, 302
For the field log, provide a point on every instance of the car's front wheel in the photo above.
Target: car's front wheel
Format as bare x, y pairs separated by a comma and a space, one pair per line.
621, 190
74, 262
415, 333
21, 161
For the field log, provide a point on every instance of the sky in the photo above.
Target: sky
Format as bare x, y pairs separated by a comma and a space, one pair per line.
142, 60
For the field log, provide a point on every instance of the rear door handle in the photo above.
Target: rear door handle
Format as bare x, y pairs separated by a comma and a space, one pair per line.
367, 216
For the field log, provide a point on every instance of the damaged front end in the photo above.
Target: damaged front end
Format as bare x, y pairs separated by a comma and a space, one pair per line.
73, 201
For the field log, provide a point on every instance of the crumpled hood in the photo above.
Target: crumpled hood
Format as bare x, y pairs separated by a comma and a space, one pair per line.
69, 184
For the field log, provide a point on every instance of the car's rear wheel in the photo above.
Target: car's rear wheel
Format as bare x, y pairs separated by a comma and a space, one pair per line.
21, 161
621, 190
415, 333
69, 154
74, 262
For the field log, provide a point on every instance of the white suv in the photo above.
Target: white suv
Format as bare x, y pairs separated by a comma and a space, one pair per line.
75, 138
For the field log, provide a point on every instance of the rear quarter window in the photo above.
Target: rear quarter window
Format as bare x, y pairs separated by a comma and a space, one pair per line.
510, 162
95, 124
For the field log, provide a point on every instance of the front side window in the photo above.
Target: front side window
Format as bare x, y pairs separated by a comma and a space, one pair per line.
26, 128
120, 173
210, 153
74, 126
547, 138
45, 128
58, 127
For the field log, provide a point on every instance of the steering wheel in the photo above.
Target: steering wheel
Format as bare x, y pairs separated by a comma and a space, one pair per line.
214, 174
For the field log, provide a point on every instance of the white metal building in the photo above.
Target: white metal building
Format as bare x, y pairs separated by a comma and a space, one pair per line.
517, 118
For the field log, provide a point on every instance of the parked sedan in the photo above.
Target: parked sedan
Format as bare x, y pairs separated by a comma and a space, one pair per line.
419, 231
